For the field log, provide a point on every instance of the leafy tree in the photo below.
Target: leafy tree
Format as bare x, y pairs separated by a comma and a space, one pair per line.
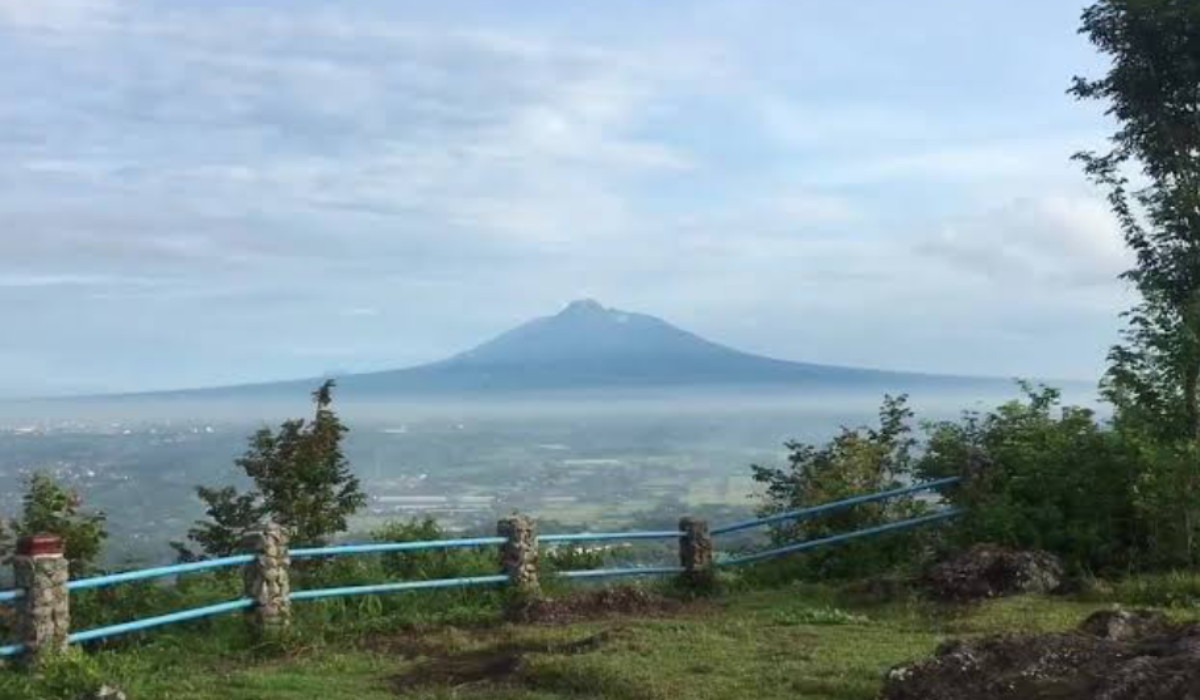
231, 514
6, 538
301, 478
49, 508
854, 462
1152, 89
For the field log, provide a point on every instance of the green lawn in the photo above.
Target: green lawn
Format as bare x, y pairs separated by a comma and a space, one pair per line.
784, 643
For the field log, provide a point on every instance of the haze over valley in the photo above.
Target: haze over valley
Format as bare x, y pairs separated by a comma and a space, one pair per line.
589, 264
590, 417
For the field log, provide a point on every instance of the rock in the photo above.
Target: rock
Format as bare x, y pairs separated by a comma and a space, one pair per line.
1124, 625
594, 604
988, 571
887, 587
105, 692
1165, 665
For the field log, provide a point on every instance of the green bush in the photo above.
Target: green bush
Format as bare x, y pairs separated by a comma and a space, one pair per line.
1170, 589
855, 462
48, 507
1041, 476
431, 563
66, 677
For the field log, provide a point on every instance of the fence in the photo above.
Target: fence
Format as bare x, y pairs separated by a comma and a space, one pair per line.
42, 596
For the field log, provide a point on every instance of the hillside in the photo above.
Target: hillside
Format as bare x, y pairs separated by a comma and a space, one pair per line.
794, 642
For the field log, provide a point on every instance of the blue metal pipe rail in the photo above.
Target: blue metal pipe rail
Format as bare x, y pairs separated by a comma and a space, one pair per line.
399, 586
835, 505
158, 572
160, 620
833, 539
600, 536
470, 581
629, 571
380, 547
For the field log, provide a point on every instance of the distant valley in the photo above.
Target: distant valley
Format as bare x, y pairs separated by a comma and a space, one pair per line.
589, 417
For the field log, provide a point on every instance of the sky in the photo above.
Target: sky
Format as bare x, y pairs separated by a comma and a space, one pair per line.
202, 192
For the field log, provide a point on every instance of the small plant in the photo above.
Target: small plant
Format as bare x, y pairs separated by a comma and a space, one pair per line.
1174, 589
48, 507
302, 481
856, 461
819, 616
68, 676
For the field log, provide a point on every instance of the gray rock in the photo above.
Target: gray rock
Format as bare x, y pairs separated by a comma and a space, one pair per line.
988, 571
105, 692
1125, 625
1162, 666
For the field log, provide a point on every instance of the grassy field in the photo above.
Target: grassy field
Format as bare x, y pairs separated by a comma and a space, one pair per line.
799, 641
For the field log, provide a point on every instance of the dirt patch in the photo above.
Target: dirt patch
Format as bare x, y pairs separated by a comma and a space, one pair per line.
1104, 660
500, 664
596, 604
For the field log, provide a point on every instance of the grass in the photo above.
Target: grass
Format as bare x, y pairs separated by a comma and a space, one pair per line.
795, 641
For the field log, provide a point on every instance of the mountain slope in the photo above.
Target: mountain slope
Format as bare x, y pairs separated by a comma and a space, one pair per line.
589, 347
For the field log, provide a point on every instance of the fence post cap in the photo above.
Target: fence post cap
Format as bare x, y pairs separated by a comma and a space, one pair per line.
39, 545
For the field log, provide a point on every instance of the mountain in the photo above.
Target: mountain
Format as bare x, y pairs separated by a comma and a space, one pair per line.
587, 347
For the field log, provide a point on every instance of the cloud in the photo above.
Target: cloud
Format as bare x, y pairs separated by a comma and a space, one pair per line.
18, 280
296, 166
55, 15
1058, 240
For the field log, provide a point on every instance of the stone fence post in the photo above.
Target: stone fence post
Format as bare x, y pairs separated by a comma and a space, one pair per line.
266, 580
695, 552
44, 611
519, 554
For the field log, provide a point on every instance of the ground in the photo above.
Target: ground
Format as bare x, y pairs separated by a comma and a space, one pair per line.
784, 643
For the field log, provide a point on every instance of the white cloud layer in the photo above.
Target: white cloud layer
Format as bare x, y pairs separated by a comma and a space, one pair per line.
416, 177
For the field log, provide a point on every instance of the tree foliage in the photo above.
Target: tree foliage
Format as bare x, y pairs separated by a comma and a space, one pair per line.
301, 479
48, 508
1041, 476
1152, 174
1152, 90
856, 461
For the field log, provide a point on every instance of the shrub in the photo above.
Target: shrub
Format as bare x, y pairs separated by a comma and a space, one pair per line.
50, 508
431, 563
819, 616
66, 677
1041, 476
302, 481
854, 462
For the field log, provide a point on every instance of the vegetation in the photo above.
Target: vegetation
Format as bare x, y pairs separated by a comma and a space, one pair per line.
794, 641
1118, 497
302, 481
1116, 500
1042, 476
856, 461
1154, 377
49, 508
